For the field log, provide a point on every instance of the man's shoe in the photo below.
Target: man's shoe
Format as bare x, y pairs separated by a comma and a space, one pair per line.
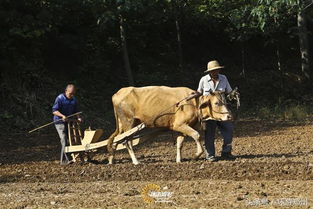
211, 158
227, 156
66, 162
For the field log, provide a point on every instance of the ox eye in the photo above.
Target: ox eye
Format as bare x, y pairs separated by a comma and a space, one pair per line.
216, 103
204, 105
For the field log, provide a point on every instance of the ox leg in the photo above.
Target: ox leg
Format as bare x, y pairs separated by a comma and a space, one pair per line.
129, 146
111, 152
124, 124
180, 140
185, 129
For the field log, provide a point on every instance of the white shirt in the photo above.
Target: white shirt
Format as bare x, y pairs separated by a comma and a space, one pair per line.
206, 84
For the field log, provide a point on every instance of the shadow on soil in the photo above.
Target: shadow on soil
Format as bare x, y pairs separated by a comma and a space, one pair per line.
285, 155
21, 148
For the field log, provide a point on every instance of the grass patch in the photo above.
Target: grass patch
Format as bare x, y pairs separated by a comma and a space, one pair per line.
297, 113
293, 113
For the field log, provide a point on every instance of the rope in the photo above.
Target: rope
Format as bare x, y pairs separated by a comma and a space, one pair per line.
176, 104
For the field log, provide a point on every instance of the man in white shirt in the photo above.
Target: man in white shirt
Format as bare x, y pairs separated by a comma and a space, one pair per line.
214, 81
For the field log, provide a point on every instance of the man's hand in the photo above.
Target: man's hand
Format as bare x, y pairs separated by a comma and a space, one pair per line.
64, 118
57, 113
80, 119
233, 95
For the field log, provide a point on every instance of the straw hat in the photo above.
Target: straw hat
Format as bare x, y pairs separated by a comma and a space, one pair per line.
213, 65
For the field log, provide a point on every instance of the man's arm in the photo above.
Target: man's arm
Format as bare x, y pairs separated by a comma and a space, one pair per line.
228, 87
55, 109
57, 113
200, 87
231, 93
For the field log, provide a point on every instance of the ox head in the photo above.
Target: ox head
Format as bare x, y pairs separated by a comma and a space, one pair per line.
214, 107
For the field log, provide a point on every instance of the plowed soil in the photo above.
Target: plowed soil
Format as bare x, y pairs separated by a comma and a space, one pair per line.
273, 168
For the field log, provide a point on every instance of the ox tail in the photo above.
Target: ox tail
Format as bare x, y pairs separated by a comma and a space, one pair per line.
111, 138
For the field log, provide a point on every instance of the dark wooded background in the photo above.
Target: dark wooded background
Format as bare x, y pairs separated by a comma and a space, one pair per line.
103, 45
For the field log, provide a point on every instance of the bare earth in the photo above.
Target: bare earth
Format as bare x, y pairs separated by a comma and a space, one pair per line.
274, 169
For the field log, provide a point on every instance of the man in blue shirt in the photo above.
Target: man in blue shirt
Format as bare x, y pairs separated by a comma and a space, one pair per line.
65, 104
214, 81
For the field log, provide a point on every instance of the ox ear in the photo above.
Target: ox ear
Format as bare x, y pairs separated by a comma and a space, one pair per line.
204, 102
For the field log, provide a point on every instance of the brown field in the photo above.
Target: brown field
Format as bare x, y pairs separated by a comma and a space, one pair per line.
274, 168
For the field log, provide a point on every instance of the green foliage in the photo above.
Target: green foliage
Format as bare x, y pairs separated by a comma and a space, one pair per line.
266, 113
6, 115
274, 16
290, 112
298, 113
46, 44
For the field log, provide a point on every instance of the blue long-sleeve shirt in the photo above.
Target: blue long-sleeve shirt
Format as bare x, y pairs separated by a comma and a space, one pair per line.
65, 106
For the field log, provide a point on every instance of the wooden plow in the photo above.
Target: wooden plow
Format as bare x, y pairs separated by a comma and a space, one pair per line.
81, 143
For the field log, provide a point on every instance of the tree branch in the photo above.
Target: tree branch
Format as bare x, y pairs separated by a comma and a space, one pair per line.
307, 6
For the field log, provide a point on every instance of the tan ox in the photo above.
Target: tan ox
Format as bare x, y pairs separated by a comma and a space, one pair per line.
155, 106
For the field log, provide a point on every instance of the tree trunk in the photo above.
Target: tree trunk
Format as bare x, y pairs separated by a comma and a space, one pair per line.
179, 43
279, 66
243, 57
125, 53
304, 44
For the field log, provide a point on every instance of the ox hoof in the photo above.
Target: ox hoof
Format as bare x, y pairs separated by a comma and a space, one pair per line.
111, 160
198, 155
178, 159
136, 163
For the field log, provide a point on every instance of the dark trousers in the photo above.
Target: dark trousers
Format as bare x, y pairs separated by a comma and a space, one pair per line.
226, 128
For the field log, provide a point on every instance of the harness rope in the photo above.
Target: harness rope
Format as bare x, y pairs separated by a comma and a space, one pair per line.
199, 114
178, 105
